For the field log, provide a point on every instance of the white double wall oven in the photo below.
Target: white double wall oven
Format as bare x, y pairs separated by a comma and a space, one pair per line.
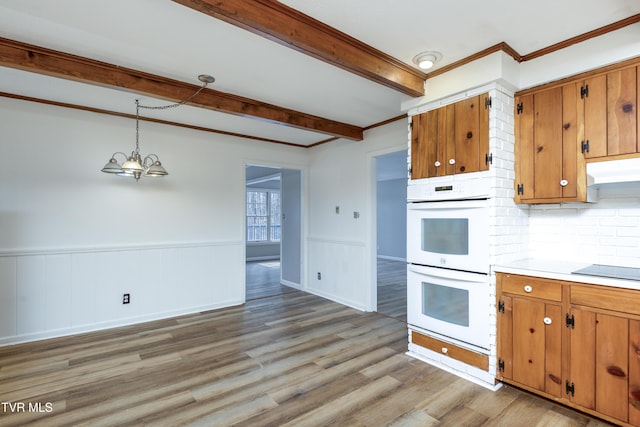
448, 260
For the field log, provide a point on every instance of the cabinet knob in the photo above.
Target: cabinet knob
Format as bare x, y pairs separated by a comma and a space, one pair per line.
528, 288
437, 164
452, 161
564, 183
547, 320
445, 350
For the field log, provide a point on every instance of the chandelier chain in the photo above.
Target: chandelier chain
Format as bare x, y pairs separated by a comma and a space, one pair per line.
174, 105
161, 107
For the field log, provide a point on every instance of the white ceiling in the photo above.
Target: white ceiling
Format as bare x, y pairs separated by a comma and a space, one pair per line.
167, 39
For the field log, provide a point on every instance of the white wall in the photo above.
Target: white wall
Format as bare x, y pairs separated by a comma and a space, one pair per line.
341, 247
392, 219
73, 239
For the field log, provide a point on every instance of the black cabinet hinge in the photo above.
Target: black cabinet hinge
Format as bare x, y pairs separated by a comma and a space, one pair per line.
500, 365
520, 189
570, 320
501, 306
519, 108
584, 92
487, 102
584, 146
488, 159
410, 171
570, 388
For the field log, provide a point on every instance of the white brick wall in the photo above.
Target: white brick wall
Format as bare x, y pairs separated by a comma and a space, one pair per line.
606, 232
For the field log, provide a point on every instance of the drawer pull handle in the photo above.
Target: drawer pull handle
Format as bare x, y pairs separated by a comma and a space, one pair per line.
445, 350
452, 161
564, 183
437, 164
547, 321
528, 289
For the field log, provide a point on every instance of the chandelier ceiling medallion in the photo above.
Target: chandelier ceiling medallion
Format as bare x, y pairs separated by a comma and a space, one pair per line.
150, 166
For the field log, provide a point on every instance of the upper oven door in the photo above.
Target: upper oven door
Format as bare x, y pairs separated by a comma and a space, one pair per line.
452, 234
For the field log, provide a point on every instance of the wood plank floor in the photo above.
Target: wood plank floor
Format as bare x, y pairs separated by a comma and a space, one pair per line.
292, 359
392, 288
263, 279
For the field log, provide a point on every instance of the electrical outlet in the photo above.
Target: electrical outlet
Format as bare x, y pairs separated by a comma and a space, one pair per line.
319, 276
126, 298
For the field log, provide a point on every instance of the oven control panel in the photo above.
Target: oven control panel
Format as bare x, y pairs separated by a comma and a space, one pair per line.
434, 190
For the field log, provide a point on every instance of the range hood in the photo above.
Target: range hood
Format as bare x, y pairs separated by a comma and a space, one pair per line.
613, 171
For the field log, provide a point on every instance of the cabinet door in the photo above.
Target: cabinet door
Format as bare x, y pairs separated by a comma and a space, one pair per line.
432, 143
537, 353
446, 140
547, 155
612, 359
524, 148
471, 134
634, 372
421, 133
599, 363
571, 161
621, 112
549, 166
582, 368
595, 115
505, 337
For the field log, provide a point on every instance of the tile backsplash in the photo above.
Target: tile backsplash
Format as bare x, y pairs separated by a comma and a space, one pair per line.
606, 232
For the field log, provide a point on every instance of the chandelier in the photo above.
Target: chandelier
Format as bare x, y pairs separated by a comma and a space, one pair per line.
135, 165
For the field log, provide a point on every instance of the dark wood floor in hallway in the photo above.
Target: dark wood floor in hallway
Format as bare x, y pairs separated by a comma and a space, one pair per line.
291, 359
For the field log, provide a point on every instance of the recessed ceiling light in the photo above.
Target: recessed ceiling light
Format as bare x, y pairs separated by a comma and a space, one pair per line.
426, 60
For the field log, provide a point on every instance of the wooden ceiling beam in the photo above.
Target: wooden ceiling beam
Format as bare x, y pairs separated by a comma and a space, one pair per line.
40, 60
289, 27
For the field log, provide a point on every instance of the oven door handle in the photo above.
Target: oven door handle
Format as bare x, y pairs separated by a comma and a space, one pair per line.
443, 273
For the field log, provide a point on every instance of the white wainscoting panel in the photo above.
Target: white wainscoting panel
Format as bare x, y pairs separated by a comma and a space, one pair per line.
52, 294
8, 296
344, 275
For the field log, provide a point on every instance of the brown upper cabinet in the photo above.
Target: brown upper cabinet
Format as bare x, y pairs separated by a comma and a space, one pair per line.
548, 166
561, 126
452, 139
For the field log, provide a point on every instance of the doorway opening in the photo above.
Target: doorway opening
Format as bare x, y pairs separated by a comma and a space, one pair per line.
391, 240
273, 231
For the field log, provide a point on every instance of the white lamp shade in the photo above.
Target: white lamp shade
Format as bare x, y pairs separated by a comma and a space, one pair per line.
156, 169
112, 167
133, 164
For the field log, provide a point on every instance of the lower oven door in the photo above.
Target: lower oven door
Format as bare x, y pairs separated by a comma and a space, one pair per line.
452, 304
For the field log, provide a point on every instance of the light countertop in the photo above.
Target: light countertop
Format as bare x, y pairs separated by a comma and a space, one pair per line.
561, 270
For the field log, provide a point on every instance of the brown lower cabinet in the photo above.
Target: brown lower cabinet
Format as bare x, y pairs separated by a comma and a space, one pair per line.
576, 343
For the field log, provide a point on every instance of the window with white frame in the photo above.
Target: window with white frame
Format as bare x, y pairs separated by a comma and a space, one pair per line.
263, 216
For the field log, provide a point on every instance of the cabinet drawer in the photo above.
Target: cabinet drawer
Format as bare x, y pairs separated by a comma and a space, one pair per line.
458, 353
622, 300
532, 287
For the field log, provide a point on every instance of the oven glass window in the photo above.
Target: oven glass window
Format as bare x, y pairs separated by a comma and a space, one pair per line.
445, 235
444, 303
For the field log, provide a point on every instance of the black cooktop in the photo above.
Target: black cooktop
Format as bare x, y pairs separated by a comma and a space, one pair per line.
612, 271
